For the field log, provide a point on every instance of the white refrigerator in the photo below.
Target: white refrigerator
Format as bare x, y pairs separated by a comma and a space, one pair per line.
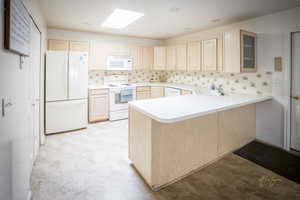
66, 91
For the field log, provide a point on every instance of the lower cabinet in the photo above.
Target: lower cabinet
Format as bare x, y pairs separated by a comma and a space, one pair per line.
157, 92
143, 95
98, 105
186, 92
147, 92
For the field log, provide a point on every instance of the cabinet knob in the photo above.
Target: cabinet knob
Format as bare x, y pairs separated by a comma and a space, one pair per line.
295, 97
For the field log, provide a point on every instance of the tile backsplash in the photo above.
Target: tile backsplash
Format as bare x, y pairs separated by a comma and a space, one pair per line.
96, 77
247, 83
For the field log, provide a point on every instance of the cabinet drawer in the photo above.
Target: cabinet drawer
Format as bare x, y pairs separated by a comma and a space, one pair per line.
142, 88
157, 91
186, 92
143, 95
98, 91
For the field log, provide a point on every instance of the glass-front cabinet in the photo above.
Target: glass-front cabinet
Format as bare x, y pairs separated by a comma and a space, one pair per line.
248, 51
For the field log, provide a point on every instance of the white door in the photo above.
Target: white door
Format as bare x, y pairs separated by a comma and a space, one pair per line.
35, 64
78, 75
56, 76
295, 102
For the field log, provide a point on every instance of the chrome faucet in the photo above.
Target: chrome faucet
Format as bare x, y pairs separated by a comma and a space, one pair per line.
217, 90
220, 90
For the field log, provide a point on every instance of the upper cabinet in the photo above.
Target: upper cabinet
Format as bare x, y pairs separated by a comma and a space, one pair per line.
82, 46
159, 58
248, 51
147, 57
58, 45
210, 55
135, 53
181, 57
66, 45
142, 57
194, 56
171, 58
239, 51
99, 52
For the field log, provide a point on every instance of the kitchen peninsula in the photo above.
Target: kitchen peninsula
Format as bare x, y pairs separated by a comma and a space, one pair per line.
171, 137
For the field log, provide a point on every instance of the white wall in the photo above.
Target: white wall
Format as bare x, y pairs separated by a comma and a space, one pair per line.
273, 40
15, 138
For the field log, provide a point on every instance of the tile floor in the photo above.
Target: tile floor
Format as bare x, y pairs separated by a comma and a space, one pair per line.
93, 164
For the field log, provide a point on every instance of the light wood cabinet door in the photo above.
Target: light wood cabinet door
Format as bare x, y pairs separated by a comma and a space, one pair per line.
171, 58
220, 53
135, 53
98, 107
159, 58
98, 55
181, 57
209, 55
231, 48
157, 92
83, 46
147, 58
58, 45
143, 95
185, 92
194, 56
124, 50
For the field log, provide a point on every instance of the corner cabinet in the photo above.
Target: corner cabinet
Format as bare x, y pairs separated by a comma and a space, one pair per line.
239, 51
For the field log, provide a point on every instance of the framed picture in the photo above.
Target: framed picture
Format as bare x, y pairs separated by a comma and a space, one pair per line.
17, 27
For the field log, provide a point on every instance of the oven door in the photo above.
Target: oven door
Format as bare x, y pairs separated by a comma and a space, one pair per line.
119, 98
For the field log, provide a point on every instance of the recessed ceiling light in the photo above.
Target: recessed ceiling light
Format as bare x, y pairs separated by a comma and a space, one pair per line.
121, 18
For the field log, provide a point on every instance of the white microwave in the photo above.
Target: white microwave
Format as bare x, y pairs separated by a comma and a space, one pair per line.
122, 63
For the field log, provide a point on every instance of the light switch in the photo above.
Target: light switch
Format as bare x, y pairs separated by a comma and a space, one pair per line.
6, 105
278, 64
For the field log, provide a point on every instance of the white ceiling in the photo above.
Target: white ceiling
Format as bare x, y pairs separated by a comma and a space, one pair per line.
163, 18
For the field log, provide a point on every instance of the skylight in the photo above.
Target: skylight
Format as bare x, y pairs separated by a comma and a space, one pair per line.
120, 18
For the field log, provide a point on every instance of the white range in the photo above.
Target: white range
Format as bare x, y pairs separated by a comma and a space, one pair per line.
120, 93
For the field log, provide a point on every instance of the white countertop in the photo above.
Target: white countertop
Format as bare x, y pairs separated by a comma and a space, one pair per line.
173, 85
178, 108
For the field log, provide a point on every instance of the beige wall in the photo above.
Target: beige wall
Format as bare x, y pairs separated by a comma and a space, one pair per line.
15, 143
